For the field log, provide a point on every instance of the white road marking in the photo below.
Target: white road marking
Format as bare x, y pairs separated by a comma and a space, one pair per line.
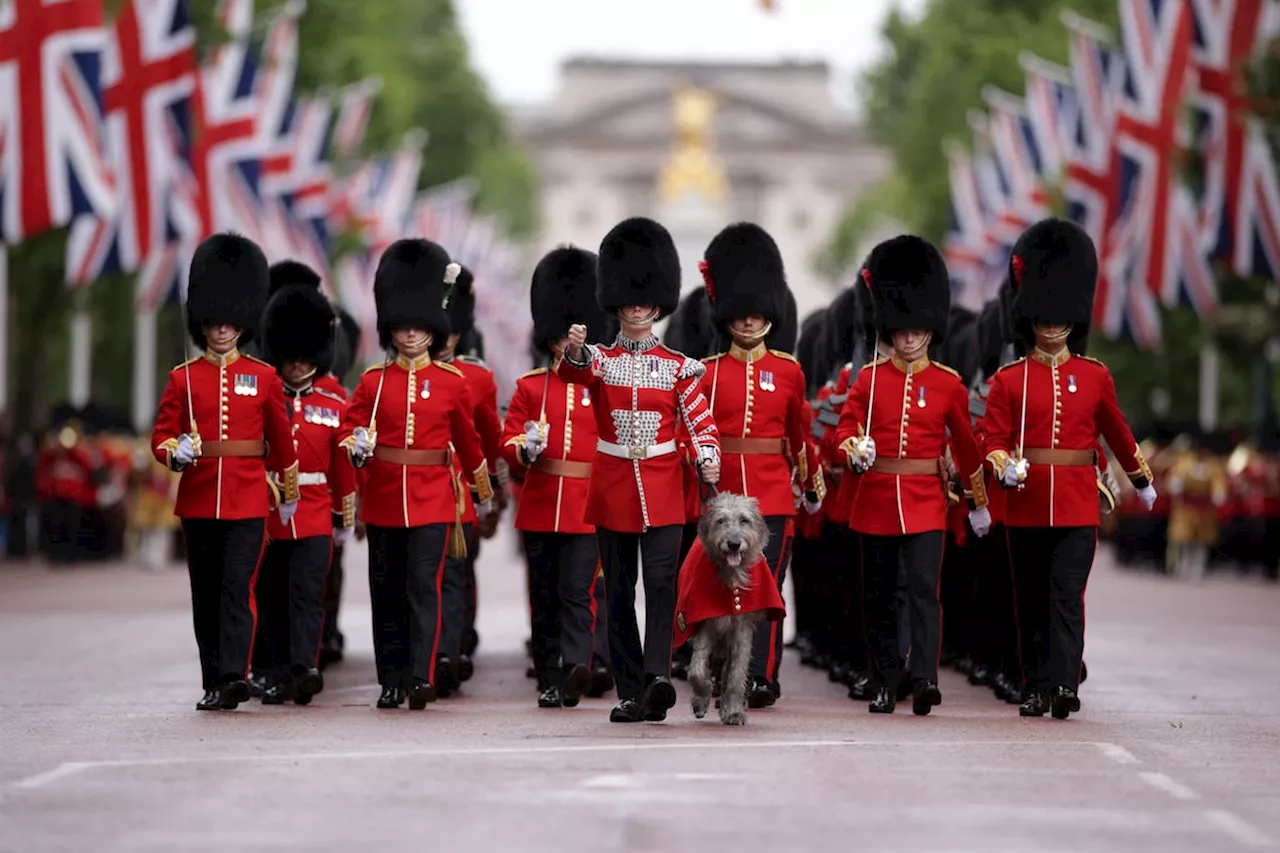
74, 767
1117, 753
616, 780
1174, 789
1238, 828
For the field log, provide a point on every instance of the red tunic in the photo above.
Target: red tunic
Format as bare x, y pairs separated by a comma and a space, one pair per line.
550, 501
757, 397
65, 474
916, 405
326, 479
702, 596
839, 508
484, 396
1070, 400
425, 406
235, 398
641, 389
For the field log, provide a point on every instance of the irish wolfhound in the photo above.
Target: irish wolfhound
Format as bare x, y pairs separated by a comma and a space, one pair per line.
733, 536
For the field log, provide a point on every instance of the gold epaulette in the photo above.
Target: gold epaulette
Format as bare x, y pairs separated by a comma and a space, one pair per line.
444, 365
712, 358
950, 370
876, 363
255, 358
537, 371
788, 356
379, 366
183, 364
1090, 358
471, 359
332, 396
1012, 363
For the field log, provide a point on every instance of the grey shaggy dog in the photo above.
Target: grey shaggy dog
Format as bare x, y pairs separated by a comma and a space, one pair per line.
733, 532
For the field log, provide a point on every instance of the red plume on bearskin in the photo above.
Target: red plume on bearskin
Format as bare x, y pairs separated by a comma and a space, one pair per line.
705, 269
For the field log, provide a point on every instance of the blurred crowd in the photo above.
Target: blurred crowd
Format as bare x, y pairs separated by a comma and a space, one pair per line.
1219, 508
86, 489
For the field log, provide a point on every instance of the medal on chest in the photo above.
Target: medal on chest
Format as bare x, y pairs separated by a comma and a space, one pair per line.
1071, 384
766, 381
426, 389
586, 397
246, 385
653, 367
321, 416
920, 401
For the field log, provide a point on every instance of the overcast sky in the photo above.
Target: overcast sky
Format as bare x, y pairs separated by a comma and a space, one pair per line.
518, 44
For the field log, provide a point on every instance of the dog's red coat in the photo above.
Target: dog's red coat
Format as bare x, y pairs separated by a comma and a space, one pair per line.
703, 597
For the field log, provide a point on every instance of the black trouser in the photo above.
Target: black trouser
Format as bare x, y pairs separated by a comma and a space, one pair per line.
600, 613
634, 664
957, 597
291, 605
453, 601
765, 651
806, 563
470, 592
405, 570
845, 639
564, 568
1050, 572
222, 559
996, 636
333, 595
884, 559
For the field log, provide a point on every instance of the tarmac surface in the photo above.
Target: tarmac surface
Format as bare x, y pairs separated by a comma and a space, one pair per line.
1177, 747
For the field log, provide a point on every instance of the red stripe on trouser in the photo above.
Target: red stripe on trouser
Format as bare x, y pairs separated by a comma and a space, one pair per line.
775, 627
596, 575
253, 601
324, 617
435, 641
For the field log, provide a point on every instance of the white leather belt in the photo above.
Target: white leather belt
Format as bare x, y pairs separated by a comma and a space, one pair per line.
623, 451
306, 478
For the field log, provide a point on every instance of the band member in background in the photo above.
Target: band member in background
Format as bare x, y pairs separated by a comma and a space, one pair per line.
550, 436
1044, 415
758, 400
454, 666
223, 494
640, 389
298, 338
406, 420
893, 431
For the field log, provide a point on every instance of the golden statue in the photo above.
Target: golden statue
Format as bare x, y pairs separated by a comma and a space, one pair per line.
692, 168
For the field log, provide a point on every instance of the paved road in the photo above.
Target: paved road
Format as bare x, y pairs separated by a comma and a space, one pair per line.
1177, 749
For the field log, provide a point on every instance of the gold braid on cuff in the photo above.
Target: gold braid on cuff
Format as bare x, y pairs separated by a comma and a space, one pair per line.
484, 488
349, 510
1141, 477
998, 458
978, 488
290, 483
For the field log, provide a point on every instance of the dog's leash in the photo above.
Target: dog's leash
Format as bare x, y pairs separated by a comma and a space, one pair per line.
706, 491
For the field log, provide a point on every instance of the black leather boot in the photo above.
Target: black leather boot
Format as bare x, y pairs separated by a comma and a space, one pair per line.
1034, 705
884, 702
420, 694
1063, 703
392, 697
211, 701
924, 696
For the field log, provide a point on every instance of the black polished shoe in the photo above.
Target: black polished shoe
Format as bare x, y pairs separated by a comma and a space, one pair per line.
758, 694
860, 690
659, 696
576, 682
306, 684
211, 701
466, 667
446, 680
420, 694
601, 681
275, 694
233, 693
981, 675
924, 696
626, 711
838, 671
1063, 703
551, 698
1034, 705
884, 702
1006, 689
392, 697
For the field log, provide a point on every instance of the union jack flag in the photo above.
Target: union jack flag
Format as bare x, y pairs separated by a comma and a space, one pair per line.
53, 154
973, 254
356, 105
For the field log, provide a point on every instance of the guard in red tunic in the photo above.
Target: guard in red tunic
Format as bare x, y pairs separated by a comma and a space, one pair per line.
346, 346
224, 493
757, 395
901, 414
458, 585
298, 338
640, 389
549, 440
406, 421
1044, 415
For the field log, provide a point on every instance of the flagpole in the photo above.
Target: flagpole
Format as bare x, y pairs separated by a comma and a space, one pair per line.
81, 343
1209, 380
144, 369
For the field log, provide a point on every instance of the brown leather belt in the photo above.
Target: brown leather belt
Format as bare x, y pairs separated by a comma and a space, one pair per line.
227, 449
564, 468
906, 467
753, 446
1074, 458
405, 456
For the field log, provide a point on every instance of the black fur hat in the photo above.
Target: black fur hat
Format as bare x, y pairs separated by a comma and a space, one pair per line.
462, 304
785, 334
844, 328
411, 289
299, 325
1054, 271
227, 284
563, 292
691, 330
909, 285
744, 275
638, 265
809, 349
290, 272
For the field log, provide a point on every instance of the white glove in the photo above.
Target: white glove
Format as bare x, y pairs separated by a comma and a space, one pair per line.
343, 535
484, 508
534, 442
980, 521
364, 442
1147, 494
287, 510
1014, 472
813, 507
864, 454
186, 452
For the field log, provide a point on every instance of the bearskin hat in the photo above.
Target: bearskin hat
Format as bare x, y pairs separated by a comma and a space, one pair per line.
1054, 270
411, 289
809, 350
299, 325
290, 272
227, 284
562, 293
638, 265
744, 275
462, 304
909, 285
691, 330
845, 328
785, 333
346, 344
